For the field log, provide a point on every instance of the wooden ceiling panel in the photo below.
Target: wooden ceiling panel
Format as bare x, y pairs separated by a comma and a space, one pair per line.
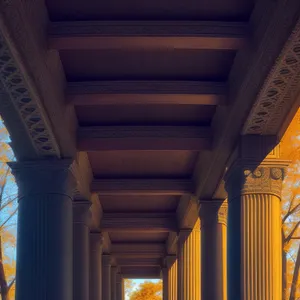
149, 10
138, 237
126, 115
139, 203
170, 64
131, 164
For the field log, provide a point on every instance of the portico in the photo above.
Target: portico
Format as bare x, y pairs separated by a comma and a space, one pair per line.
147, 138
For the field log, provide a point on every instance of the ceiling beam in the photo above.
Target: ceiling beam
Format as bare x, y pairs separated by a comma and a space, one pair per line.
154, 222
146, 92
106, 138
141, 272
138, 250
142, 186
147, 34
136, 261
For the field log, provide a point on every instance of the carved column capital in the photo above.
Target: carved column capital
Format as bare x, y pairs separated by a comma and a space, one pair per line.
170, 260
96, 240
107, 260
246, 177
81, 212
44, 177
213, 212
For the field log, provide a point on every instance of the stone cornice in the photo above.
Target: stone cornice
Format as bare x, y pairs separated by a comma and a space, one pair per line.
26, 101
279, 90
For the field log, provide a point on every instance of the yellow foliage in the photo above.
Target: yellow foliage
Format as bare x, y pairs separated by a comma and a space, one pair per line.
148, 291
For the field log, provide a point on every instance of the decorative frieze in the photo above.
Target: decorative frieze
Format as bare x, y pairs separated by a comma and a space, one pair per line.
279, 90
25, 99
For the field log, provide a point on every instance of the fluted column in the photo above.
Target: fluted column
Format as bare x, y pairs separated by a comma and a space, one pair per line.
81, 249
45, 230
165, 283
96, 244
213, 216
189, 279
114, 271
106, 277
254, 224
172, 277
120, 287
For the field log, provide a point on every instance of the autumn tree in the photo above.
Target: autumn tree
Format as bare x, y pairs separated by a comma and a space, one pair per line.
147, 290
291, 213
8, 211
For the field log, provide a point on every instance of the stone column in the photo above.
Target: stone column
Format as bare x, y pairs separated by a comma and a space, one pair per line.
254, 186
165, 283
45, 230
120, 287
213, 216
81, 248
106, 277
114, 272
189, 279
172, 277
96, 244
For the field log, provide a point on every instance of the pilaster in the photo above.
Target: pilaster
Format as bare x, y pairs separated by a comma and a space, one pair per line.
189, 279
254, 184
81, 253
45, 230
213, 216
96, 246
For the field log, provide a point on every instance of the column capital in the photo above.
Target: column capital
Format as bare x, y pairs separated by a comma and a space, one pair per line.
212, 212
119, 277
170, 260
246, 177
44, 177
107, 260
96, 240
81, 211
256, 167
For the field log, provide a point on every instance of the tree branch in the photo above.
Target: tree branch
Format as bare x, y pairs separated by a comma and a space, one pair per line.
288, 238
290, 212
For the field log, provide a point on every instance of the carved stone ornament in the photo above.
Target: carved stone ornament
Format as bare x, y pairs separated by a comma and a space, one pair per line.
263, 179
26, 102
279, 90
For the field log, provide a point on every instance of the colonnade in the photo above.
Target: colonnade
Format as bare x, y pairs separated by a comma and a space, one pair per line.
51, 264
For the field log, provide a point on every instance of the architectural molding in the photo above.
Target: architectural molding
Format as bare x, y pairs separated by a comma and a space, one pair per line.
97, 138
25, 98
116, 34
279, 91
146, 92
142, 186
138, 222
